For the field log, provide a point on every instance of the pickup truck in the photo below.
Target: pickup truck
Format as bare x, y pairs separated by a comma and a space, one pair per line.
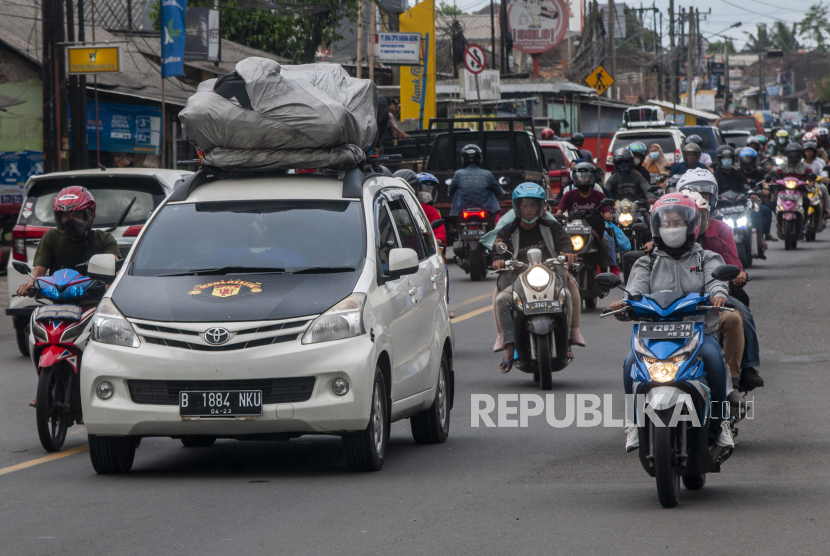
512, 154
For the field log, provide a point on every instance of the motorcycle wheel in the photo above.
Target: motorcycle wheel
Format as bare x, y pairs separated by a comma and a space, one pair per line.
748, 252
668, 481
545, 378
477, 267
789, 236
590, 302
52, 422
694, 482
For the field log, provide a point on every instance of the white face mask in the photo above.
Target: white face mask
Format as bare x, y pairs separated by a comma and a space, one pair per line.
424, 197
673, 237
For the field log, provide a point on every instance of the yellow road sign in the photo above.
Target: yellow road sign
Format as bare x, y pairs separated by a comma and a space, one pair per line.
599, 80
93, 59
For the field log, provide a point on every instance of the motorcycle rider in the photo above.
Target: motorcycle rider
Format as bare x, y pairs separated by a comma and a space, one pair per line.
795, 165
739, 336
639, 152
748, 161
757, 143
547, 134
625, 182
817, 166
72, 242
823, 139
531, 231
691, 159
473, 186
680, 264
426, 188
777, 147
577, 140
705, 159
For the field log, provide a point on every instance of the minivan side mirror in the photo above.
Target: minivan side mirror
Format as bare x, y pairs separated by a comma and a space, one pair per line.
102, 267
402, 262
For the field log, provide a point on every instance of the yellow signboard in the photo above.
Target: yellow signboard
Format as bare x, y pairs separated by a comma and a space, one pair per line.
418, 82
599, 80
93, 59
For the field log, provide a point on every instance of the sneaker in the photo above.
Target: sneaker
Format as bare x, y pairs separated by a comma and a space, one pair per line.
499, 345
750, 379
632, 437
725, 439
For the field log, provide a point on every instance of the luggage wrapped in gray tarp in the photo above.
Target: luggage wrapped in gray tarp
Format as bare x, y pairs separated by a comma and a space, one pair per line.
268, 116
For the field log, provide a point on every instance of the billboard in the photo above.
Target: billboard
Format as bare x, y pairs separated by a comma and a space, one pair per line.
15, 169
418, 81
202, 35
489, 85
93, 59
537, 25
123, 128
398, 48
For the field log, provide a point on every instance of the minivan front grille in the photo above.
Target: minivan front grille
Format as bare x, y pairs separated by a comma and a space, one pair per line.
274, 390
227, 347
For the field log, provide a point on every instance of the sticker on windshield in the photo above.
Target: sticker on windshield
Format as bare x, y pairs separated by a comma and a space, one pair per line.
227, 288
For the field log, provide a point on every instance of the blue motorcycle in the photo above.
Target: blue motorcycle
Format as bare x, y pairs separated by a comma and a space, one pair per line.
672, 396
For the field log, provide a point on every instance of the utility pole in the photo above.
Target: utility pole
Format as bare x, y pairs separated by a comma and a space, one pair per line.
673, 72
505, 67
50, 146
681, 45
762, 90
370, 46
359, 68
83, 116
690, 70
612, 19
726, 74
492, 35
642, 55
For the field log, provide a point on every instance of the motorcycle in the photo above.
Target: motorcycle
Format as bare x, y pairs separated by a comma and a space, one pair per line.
59, 331
815, 223
585, 240
673, 397
470, 255
789, 211
631, 218
735, 210
540, 314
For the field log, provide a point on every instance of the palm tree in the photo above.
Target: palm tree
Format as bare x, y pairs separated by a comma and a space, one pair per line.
758, 42
784, 38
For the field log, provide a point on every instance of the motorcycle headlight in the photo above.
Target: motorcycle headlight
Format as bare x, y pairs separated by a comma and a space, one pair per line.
625, 219
741, 222
577, 242
344, 320
791, 184
109, 326
729, 222
663, 371
538, 278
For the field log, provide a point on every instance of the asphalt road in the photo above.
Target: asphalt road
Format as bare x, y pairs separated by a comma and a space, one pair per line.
534, 490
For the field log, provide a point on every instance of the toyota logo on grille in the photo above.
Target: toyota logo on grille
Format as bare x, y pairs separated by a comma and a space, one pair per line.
217, 336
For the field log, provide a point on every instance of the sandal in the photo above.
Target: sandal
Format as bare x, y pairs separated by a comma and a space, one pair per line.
33, 403
505, 365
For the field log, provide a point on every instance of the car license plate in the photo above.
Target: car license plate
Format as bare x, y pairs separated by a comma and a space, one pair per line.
543, 306
473, 234
220, 403
578, 230
666, 330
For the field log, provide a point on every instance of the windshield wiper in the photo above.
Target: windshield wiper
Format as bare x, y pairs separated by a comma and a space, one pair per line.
324, 270
227, 270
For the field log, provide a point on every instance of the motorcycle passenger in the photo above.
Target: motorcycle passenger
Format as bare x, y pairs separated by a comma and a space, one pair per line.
705, 159
795, 165
426, 189
823, 138
727, 171
748, 160
72, 242
680, 264
777, 148
638, 151
625, 182
739, 337
691, 159
758, 143
531, 231
570, 186
473, 186
577, 140
656, 163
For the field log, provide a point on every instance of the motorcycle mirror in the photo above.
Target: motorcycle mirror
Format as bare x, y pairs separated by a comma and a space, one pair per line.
21, 267
607, 280
655, 189
501, 248
448, 181
504, 180
607, 202
640, 227
726, 272
435, 224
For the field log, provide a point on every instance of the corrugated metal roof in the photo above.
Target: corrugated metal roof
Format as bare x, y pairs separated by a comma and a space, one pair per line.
685, 110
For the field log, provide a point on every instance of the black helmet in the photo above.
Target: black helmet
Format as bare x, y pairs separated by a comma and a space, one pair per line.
577, 139
471, 154
811, 145
691, 153
584, 175
725, 156
623, 159
409, 177
794, 152
694, 139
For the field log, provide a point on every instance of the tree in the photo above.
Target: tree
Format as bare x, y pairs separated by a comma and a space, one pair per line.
815, 27
784, 38
716, 47
758, 42
294, 36
450, 9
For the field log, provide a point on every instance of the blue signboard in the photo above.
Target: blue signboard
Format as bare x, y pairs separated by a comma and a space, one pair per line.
172, 37
124, 128
15, 170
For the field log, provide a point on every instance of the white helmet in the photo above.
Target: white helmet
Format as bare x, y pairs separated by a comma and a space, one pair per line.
701, 181
702, 205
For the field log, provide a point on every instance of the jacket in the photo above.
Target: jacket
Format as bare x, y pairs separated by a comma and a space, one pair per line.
733, 181
680, 275
682, 167
795, 170
474, 187
629, 186
433, 215
556, 240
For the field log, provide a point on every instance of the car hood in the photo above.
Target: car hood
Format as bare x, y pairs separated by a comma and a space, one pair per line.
231, 298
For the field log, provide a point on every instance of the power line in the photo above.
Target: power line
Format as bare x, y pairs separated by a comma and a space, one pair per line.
756, 13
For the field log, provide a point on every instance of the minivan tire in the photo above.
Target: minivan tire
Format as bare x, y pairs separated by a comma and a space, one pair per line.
432, 425
366, 449
112, 455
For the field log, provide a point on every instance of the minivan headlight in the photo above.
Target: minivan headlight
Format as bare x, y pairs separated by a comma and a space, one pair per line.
344, 320
109, 326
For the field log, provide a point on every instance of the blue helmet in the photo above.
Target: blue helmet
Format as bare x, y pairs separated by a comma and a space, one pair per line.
748, 159
638, 148
427, 188
529, 190
425, 177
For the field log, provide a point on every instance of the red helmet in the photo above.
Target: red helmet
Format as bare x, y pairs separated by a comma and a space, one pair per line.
74, 199
669, 207
547, 134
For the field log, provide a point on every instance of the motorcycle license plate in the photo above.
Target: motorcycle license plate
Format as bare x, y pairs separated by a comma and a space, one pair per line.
578, 230
789, 196
220, 403
731, 210
666, 330
543, 307
473, 234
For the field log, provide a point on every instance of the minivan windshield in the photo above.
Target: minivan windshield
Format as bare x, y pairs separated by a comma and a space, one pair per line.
238, 237
665, 140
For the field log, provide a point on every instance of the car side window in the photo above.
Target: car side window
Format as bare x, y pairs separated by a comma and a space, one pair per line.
407, 231
387, 239
421, 223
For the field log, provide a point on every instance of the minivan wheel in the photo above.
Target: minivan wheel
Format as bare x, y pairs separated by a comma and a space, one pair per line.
112, 455
366, 449
200, 441
432, 426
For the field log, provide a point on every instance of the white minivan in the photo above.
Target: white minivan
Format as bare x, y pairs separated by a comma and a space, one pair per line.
268, 307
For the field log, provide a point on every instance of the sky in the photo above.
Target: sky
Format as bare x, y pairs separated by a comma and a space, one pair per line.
724, 13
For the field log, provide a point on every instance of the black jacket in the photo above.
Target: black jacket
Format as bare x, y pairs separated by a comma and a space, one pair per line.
561, 240
630, 185
733, 181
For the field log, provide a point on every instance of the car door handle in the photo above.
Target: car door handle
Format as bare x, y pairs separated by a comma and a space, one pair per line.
413, 292
435, 278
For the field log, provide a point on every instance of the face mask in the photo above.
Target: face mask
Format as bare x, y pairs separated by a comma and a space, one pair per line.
75, 229
425, 197
638, 160
535, 218
654, 155
625, 167
584, 187
726, 163
673, 237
